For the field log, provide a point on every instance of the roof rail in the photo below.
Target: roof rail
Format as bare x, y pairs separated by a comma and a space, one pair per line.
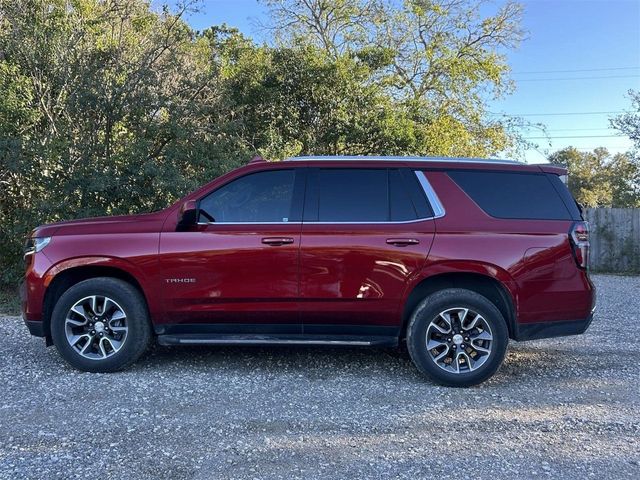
256, 159
320, 158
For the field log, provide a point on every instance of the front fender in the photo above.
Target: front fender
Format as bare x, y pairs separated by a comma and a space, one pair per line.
113, 266
95, 261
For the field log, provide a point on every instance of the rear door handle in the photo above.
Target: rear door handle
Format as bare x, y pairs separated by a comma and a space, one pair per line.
277, 241
402, 242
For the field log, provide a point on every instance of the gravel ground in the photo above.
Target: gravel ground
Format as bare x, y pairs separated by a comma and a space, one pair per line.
565, 408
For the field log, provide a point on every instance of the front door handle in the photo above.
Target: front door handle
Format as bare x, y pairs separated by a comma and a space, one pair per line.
402, 242
277, 241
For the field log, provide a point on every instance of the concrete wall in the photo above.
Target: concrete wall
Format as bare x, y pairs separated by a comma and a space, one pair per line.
615, 239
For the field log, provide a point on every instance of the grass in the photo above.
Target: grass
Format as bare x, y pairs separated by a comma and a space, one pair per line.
9, 301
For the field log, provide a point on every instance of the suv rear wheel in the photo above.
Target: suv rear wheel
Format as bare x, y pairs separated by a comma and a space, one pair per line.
101, 325
457, 337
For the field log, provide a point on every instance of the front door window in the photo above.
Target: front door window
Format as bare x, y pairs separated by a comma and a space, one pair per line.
263, 197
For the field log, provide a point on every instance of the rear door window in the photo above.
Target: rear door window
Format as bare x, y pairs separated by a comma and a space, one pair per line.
512, 195
361, 195
400, 204
353, 195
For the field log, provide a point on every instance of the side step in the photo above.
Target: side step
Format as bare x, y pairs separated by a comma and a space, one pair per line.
229, 339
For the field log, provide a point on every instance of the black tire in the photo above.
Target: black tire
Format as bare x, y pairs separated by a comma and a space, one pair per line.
138, 335
429, 309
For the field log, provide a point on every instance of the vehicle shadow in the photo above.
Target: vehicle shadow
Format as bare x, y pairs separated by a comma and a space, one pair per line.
322, 361
522, 364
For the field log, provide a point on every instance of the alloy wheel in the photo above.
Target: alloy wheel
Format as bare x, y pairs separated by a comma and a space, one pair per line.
96, 327
459, 340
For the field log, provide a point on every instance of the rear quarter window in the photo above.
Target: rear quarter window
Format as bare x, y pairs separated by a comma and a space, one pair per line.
513, 195
566, 196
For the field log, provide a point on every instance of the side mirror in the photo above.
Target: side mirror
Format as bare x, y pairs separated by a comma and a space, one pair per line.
188, 215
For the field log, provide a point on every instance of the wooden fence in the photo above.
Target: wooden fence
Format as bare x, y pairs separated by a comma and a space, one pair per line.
615, 239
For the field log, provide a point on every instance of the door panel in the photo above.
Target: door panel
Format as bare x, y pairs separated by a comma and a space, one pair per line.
362, 240
350, 275
239, 266
226, 274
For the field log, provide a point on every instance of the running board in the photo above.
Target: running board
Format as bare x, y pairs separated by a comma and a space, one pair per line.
228, 339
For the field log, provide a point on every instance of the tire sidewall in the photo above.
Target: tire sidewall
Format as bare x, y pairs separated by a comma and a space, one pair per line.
128, 299
429, 308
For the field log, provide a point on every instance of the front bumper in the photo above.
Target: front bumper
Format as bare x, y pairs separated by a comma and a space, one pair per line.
35, 325
33, 287
35, 328
535, 331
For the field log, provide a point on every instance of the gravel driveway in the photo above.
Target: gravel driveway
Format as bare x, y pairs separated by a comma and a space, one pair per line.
558, 408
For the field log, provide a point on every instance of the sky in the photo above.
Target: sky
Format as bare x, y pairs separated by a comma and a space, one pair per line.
579, 59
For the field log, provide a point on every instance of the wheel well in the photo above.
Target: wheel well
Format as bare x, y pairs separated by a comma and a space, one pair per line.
68, 278
486, 286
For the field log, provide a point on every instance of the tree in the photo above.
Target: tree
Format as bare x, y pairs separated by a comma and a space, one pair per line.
105, 108
629, 122
439, 60
292, 101
596, 179
627, 183
624, 176
335, 26
301, 99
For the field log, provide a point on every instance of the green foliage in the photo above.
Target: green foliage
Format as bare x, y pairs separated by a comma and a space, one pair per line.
110, 107
439, 60
9, 301
626, 168
629, 122
293, 101
103, 106
596, 179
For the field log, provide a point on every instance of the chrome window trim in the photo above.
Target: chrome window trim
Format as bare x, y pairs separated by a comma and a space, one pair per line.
405, 159
432, 196
249, 223
317, 223
417, 220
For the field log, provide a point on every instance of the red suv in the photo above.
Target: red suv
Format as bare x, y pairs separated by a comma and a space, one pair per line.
451, 256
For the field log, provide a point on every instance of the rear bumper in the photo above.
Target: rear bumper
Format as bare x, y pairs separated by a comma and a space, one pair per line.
535, 331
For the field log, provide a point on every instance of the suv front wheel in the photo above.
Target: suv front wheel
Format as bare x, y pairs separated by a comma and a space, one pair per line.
101, 325
457, 337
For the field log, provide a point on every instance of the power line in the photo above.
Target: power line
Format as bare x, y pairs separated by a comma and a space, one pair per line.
573, 136
577, 70
529, 129
608, 147
542, 114
574, 78
578, 129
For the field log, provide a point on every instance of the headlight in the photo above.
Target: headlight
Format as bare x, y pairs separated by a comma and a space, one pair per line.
35, 244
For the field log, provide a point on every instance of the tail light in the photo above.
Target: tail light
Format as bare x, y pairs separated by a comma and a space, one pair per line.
580, 243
